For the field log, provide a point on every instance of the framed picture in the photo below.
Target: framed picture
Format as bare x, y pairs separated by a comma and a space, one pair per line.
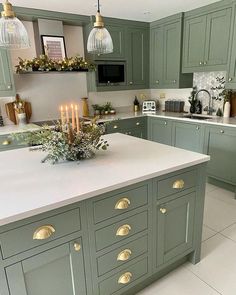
54, 46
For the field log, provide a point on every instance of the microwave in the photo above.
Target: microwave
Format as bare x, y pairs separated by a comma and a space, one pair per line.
111, 73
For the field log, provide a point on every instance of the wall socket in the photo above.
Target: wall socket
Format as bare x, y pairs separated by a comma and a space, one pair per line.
162, 95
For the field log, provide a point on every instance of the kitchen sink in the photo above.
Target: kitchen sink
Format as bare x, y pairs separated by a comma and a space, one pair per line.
196, 117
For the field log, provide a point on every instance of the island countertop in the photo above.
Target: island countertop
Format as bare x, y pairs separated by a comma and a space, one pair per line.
28, 187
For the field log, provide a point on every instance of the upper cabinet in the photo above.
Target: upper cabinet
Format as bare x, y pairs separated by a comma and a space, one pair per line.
137, 40
207, 38
166, 54
6, 77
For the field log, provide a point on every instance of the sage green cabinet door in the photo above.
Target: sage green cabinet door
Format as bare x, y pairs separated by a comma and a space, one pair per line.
6, 78
156, 57
218, 32
137, 57
117, 34
160, 130
57, 271
194, 42
174, 225
221, 146
172, 45
189, 136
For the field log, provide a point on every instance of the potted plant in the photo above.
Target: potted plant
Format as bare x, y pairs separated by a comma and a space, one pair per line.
96, 109
192, 100
107, 108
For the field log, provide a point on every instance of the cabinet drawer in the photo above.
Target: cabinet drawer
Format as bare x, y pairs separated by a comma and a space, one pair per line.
6, 143
38, 233
178, 183
122, 255
124, 278
121, 230
118, 125
120, 203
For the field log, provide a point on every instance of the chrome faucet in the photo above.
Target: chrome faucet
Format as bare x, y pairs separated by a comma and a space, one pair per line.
208, 108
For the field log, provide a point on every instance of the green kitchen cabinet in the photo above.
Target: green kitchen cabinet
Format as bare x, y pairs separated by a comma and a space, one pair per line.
175, 228
8, 143
207, 38
220, 143
188, 136
166, 54
56, 271
7, 87
137, 48
160, 130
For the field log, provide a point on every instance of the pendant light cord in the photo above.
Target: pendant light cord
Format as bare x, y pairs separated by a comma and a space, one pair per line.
98, 5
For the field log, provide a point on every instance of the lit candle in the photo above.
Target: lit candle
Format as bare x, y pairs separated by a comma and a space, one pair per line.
62, 116
77, 118
73, 117
67, 115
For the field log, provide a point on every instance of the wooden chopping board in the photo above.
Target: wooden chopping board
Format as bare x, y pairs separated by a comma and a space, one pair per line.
12, 114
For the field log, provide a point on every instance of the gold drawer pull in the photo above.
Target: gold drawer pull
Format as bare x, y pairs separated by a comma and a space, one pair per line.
122, 204
124, 255
115, 127
125, 278
178, 184
163, 210
6, 142
77, 247
123, 230
138, 123
43, 232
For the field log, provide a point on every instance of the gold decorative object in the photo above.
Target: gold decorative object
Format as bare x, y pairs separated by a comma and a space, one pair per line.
115, 127
125, 278
178, 184
122, 204
85, 107
8, 10
124, 255
44, 232
77, 247
6, 142
163, 210
123, 230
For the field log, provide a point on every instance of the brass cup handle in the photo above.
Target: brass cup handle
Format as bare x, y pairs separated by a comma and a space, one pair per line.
138, 123
178, 184
77, 247
230, 79
222, 131
44, 232
123, 230
125, 278
122, 204
115, 127
163, 210
6, 142
124, 255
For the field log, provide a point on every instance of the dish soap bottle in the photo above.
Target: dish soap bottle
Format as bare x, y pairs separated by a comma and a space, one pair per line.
136, 104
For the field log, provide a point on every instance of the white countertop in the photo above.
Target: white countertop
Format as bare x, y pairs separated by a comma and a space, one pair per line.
28, 187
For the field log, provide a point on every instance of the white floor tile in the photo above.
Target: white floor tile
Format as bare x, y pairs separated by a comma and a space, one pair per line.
218, 265
207, 233
230, 232
210, 187
218, 214
179, 282
223, 195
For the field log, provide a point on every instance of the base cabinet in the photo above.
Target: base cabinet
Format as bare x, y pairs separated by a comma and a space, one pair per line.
160, 130
174, 225
56, 271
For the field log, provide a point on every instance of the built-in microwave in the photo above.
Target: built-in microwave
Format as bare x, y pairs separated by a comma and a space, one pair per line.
111, 73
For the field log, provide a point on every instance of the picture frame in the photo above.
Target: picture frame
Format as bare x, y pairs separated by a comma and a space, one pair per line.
54, 46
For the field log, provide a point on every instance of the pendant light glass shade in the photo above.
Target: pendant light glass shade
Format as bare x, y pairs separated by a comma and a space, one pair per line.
13, 34
99, 40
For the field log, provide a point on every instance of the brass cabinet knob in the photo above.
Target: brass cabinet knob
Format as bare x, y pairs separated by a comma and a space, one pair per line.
77, 247
115, 127
200, 63
6, 142
123, 230
122, 204
205, 63
8, 86
125, 278
197, 127
137, 123
174, 81
157, 81
124, 255
165, 123
222, 131
163, 210
230, 79
44, 232
178, 184
130, 83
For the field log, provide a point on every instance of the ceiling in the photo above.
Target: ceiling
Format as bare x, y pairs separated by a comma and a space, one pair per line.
147, 10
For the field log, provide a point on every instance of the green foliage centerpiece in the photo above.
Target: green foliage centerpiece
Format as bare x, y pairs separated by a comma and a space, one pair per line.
66, 141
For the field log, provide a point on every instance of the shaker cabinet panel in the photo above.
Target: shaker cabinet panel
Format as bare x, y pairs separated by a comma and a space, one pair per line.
160, 130
175, 224
57, 271
6, 77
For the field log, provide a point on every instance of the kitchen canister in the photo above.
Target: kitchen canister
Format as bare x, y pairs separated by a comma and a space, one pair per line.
227, 109
21, 118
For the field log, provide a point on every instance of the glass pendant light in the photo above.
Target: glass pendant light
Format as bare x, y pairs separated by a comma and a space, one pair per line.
99, 40
13, 34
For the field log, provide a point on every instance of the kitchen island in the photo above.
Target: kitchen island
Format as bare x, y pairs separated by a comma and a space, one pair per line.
110, 225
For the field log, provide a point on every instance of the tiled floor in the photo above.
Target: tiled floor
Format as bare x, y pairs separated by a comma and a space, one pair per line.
216, 273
